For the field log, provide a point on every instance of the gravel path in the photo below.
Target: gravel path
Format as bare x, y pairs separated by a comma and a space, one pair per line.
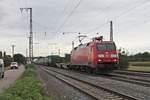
58, 89
10, 77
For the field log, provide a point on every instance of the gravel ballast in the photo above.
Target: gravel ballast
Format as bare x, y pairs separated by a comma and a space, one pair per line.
58, 89
137, 91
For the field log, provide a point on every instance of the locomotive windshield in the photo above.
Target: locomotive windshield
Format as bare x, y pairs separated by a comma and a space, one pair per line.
106, 46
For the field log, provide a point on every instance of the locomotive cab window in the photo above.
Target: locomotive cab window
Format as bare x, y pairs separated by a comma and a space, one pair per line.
106, 46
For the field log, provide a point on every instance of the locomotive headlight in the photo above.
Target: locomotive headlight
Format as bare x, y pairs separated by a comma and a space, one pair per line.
114, 55
101, 55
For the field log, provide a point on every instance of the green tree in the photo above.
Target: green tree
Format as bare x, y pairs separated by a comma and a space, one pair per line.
4, 54
67, 57
1, 55
145, 56
140, 57
7, 60
123, 59
20, 58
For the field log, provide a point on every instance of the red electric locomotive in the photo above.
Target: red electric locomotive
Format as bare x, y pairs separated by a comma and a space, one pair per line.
95, 56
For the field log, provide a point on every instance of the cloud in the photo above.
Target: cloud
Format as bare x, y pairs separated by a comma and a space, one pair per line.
131, 27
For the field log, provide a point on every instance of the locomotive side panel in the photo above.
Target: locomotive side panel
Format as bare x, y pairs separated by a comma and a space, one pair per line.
80, 55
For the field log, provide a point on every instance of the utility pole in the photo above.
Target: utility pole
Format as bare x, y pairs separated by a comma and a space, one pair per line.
72, 45
13, 49
27, 55
59, 52
31, 34
111, 31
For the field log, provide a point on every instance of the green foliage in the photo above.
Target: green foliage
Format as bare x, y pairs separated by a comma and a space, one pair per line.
4, 54
26, 88
20, 58
7, 60
67, 58
139, 68
145, 63
1, 55
123, 61
140, 57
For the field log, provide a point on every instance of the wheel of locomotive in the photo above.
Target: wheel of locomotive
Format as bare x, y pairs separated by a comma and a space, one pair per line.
71, 67
115, 66
67, 67
95, 71
89, 70
78, 68
84, 68
61, 66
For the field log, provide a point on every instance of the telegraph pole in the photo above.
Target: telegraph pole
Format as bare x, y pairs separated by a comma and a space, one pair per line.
27, 55
111, 31
13, 49
31, 34
72, 45
59, 52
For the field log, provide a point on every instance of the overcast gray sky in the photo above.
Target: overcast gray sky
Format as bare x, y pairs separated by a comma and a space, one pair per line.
131, 20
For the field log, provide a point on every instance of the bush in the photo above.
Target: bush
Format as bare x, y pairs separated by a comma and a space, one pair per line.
123, 61
19, 58
7, 60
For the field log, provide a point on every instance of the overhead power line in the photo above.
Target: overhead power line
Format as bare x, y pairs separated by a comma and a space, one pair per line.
69, 15
131, 9
122, 13
46, 27
41, 25
63, 11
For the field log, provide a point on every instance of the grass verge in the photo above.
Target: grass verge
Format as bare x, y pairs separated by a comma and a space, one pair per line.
146, 63
28, 87
139, 68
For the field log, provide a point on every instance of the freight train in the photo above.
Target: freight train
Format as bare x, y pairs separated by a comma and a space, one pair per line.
49, 60
93, 57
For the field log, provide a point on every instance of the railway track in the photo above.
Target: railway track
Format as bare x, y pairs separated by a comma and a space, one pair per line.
96, 92
139, 78
131, 77
134, 73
